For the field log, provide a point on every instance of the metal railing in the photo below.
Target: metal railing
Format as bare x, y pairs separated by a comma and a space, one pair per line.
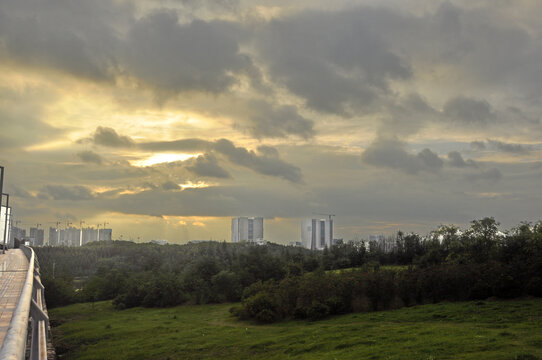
28, 312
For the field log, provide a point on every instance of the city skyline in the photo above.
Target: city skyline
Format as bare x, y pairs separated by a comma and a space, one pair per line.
168, 119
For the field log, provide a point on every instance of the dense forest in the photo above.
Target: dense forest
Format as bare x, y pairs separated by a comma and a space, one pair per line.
275, 282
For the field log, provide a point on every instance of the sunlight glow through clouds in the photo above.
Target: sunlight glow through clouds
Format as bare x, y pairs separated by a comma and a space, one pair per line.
162, 158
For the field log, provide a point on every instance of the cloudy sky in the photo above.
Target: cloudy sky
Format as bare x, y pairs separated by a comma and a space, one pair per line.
167, 118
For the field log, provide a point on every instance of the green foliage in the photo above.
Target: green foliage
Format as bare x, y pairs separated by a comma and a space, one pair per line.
477, 264
158, 276
497, 330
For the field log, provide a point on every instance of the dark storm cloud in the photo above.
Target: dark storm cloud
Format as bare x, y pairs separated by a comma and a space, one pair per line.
467, 110
197, 56
206, 165
277, 121
456, 160
62, 192
391, 153
261, 163
89, 156
331, 60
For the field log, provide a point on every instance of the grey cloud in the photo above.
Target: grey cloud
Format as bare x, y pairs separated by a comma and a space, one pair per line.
198, 56
170, 185
72, 193
391, 153
477, 145
206, 165
332, 60
105, 40
456, 160
501, 146
106, 136
22, 125
89, 156
278, 121
430, 159
508, 147
492, 174
467, 110
260, 163
268, 151
17, 191
267, 162
77, 38
211, 201
149, 185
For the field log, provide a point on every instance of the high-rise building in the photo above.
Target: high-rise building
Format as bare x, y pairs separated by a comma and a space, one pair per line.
88, 235
69, 237
16, 233
248, 229
106, 234
36, 236
386, 244
53, 236
316, 234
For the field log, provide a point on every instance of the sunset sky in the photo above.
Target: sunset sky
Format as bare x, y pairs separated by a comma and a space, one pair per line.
167, 118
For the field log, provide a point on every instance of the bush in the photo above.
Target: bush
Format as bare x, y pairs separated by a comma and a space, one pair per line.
317, 311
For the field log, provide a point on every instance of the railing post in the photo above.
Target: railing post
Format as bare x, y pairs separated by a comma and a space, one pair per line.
29, 309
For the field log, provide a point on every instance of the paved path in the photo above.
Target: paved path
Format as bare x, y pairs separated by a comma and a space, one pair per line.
13, 269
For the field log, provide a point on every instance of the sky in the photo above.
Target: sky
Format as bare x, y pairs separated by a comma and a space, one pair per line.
166, 118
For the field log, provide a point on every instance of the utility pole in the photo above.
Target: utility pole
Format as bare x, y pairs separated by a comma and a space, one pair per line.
5, 222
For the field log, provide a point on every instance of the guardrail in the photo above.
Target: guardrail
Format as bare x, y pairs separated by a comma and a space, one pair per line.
30, 308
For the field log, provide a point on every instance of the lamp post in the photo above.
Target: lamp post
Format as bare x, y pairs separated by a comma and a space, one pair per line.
5, 222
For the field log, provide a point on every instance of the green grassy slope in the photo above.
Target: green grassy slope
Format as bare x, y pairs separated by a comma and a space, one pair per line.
469, 330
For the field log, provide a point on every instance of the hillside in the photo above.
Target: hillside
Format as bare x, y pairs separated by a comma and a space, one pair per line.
467, 330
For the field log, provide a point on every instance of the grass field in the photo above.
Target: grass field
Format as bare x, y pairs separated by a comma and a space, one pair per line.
468, 330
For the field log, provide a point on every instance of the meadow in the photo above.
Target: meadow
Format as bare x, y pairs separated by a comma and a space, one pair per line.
510, 329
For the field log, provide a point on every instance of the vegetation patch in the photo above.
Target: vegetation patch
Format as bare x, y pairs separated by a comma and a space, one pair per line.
211, 332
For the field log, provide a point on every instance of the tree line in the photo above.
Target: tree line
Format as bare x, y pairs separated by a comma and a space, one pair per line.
452, 265
275, 282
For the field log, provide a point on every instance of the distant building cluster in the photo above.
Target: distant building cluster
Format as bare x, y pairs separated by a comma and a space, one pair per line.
159, 242
70, 236
73, 236
385, 244
316, 234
